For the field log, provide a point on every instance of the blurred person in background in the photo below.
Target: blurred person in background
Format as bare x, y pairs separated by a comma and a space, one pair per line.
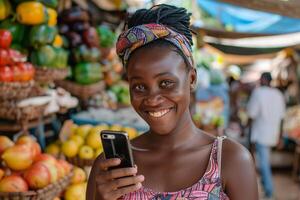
266, 110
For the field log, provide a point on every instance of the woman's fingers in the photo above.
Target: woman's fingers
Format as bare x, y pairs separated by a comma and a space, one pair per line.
114, 174
123, 182
125, 190
114, 183
105, 164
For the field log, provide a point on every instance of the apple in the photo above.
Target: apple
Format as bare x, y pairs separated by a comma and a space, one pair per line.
5, 143
67, 166
1, 174
37, 176
34, 146
79, 176
18, 157
13, 183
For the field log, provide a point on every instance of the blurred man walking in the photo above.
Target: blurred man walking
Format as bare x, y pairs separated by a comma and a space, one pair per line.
266, 109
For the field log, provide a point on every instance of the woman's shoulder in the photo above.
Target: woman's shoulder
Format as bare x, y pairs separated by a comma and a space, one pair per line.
236, 159
233, 151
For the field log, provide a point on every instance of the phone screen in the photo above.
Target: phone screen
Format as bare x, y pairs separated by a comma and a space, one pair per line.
116, 145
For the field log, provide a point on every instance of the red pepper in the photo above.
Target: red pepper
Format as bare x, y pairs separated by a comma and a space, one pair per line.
5, 59
27, 71
6, 74
5, 38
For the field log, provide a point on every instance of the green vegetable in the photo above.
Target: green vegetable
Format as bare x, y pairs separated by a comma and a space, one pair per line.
41, 35
87, 73
44, 56
17, 30
50, 3
107, 37
61, 58
83, 53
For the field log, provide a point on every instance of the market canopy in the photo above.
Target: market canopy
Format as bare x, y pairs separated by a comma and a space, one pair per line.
256, 21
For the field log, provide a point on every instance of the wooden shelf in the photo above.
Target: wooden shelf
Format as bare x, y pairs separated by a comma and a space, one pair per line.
13, 126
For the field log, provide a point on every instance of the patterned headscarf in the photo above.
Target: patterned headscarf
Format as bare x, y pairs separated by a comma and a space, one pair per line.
141, 35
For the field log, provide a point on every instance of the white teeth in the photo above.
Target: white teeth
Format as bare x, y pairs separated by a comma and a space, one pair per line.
159, 113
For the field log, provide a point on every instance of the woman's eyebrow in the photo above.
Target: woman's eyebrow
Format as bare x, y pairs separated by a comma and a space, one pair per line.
157, 75
135, 77
163, 74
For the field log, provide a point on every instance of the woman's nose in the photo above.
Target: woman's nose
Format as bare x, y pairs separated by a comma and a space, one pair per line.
153, 99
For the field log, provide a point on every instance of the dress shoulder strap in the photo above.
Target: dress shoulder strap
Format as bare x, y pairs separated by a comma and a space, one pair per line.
219, 154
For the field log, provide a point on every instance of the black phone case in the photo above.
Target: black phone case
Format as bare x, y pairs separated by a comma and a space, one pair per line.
116, 145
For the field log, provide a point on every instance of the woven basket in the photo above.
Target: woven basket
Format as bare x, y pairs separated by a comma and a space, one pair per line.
9, 110
15, 90
83, 92
48, 193
48, 75
80, 162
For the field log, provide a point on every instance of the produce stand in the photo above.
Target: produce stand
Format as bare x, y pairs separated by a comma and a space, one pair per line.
49, 192
83, 92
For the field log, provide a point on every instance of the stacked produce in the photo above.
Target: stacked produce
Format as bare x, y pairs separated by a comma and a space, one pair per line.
13, 67
83, 142
35, 33
25, 168
84, 44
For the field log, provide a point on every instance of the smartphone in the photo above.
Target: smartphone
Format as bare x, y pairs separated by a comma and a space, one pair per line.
116, 145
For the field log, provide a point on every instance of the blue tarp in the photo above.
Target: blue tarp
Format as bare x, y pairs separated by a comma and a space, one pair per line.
250, 21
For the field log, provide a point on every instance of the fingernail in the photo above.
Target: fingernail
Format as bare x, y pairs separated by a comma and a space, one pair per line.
139, 185
141, 177
134, 170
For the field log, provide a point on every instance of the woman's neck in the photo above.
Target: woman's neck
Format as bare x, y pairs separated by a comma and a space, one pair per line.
177, 138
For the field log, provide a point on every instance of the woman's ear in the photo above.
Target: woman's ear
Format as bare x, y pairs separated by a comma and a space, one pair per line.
193, 79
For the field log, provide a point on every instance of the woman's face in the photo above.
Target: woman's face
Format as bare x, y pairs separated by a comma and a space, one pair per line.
160, 87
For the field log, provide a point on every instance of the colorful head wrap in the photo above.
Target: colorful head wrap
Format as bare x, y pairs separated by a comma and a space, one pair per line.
141, 35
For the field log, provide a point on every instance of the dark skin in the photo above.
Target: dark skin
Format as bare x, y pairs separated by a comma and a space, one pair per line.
177, 151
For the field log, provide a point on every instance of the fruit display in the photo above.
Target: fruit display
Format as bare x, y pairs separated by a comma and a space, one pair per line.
84, 44
291, 122
77, 188
83, 142
34, 32
208, 114
13, 65
126, 117
25, 168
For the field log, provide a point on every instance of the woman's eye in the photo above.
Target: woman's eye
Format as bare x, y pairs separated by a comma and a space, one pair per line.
139, 88
166, 84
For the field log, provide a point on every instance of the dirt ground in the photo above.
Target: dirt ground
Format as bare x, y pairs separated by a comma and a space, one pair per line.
285, 187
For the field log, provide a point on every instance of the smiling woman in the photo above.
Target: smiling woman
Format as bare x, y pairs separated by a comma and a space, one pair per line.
181, 161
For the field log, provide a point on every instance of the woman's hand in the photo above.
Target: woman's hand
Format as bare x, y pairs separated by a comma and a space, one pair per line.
113, 184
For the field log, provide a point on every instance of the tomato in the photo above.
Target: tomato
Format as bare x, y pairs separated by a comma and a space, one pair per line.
4, 58
5, 38
6, 74
16, 56
27, 71
17, 73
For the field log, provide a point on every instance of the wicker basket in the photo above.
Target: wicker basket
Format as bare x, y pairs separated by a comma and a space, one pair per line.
9, 110
83, 92
15, 90
48, 75
80, 162
48, 193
